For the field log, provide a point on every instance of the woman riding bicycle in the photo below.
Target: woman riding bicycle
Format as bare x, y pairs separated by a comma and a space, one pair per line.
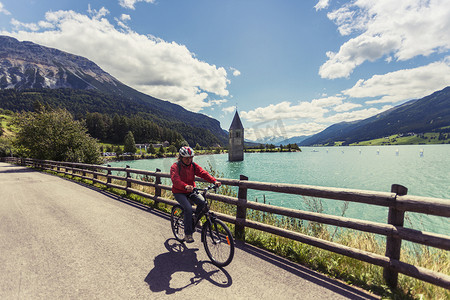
183, 174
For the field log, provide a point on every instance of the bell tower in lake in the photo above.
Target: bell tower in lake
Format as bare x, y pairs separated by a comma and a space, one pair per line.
236, 140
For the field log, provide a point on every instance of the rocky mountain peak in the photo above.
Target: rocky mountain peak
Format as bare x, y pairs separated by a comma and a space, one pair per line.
28, 65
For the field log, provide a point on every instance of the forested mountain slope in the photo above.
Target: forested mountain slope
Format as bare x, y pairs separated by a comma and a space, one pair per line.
31, 72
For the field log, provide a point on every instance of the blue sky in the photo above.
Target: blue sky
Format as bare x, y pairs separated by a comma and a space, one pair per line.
291, 67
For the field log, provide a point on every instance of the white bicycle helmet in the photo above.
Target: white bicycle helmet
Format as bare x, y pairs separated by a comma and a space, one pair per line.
186, 152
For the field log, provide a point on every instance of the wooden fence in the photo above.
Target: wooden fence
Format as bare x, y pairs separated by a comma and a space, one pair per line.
397, 201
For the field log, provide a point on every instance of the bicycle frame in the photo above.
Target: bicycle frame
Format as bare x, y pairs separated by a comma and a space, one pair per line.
206, 212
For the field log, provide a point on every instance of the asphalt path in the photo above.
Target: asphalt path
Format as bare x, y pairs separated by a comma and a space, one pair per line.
63, 240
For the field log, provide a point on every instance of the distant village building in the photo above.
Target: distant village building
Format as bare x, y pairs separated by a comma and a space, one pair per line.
236, 140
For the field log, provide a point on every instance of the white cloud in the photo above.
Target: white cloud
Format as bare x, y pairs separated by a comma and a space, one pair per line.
29, 26
354, 53
353, 115
97, 14
322, 4
327, 101
130, 3
308, 128
281, 130
349, 19
168, 71
125, 17
122, 21
404, 84
280, 120
266, 130
284, 110
122, 24
219, 102
405, 29
229, 109
346, 106
235, 72
3, 10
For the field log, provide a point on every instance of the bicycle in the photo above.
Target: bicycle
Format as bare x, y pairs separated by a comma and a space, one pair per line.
215, 235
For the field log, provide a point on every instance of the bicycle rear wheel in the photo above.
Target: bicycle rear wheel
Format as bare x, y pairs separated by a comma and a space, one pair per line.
177, 222
218, 242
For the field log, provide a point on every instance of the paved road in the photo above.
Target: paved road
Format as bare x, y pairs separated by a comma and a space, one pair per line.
63, 240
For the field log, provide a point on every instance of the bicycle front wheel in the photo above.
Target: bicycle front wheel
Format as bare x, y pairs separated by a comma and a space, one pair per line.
218, 242
177, 222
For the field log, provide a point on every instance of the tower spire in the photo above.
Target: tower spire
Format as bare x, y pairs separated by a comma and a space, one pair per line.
236, 139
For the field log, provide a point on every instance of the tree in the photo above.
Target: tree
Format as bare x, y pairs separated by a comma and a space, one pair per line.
161, 150
151, 149
6, 147
295, 147
55, 135
180, 143
172, 149
118, 128
98, 125
129, 143
118, 151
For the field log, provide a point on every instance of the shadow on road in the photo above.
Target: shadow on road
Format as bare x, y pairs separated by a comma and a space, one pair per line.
179, 258
312, 276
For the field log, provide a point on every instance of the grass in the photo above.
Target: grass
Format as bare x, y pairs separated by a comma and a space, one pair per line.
8, 129
426, 138
352, 271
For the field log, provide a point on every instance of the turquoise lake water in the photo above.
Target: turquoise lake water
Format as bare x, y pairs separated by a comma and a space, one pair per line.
423, 169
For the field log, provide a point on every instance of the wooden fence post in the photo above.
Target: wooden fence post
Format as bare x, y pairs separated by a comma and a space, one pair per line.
394, 244
128, 180
241, 211
108, 176
157, 188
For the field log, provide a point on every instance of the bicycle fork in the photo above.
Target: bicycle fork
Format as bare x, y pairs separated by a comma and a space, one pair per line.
213, 232
207, 227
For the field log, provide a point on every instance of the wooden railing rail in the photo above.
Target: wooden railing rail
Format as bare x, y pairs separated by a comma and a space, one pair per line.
397, 201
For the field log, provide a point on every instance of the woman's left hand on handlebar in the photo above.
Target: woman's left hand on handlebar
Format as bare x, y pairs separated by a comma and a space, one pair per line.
189, 188
217, 183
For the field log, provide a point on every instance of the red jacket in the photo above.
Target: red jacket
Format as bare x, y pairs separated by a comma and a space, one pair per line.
186, 176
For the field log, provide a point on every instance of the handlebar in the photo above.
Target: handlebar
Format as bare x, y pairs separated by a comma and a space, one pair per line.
210, 187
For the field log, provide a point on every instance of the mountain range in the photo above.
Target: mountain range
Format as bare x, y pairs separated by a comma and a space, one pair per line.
26, 67
31, 73
429, 114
